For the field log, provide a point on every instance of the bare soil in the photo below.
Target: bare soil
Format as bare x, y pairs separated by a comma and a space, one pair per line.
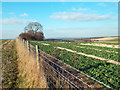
102, 45
108, 60
96, 49
106, 38
45, 44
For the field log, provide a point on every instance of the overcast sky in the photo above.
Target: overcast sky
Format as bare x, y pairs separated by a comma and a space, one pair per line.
61, 19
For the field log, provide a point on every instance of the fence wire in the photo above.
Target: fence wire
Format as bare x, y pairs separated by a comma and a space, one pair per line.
59, 77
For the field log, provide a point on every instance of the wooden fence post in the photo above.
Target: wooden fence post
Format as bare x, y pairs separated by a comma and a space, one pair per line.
74, 55
61, 53
27, 44
74, 51
23, 42
56, 49
38, 55
28, 47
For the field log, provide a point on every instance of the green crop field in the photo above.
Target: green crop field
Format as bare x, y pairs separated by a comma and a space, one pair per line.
99, 69
115, 39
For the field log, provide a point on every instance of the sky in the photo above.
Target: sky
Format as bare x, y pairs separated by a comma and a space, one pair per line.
61, 19
60, 0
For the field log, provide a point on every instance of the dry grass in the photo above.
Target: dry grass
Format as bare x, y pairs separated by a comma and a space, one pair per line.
29, 75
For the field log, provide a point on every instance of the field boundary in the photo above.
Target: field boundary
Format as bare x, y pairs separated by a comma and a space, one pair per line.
60, 75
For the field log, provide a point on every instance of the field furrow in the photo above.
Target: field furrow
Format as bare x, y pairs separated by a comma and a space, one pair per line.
101, 54
101, 70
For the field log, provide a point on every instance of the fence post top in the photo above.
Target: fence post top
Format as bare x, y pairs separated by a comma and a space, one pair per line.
37, 46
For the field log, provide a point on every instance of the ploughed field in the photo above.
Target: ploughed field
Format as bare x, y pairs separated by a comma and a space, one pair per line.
97, 59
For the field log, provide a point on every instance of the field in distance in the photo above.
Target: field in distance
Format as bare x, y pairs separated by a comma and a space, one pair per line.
108, 38
113, 39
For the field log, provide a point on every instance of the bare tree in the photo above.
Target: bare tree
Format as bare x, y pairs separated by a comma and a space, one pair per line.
31, 32
40, 36
34, 26
34, 30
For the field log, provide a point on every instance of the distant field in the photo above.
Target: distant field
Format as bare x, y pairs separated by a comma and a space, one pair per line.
85, 60
115, 39
102, 43
107, 39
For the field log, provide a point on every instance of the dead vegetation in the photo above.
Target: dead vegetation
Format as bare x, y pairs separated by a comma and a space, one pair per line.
19, 69
30, 76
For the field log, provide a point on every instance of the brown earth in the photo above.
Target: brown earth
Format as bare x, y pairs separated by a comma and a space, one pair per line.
106, 38
102, 45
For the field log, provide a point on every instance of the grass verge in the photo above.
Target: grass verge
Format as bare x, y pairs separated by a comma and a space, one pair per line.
9, 66
29, 74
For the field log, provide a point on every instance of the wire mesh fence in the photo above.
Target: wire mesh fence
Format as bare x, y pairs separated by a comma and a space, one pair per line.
57, 73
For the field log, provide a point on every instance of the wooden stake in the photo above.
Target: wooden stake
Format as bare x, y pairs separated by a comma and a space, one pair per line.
61, 53
37, 55
55, 50
28, 47
74, 51
24, 42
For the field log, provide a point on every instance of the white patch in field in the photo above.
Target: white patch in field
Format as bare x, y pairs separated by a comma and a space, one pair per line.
45, 44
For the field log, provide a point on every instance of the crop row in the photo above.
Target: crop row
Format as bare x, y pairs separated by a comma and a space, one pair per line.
101, 43
102, 54
100, 70
97, 47
88, 46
